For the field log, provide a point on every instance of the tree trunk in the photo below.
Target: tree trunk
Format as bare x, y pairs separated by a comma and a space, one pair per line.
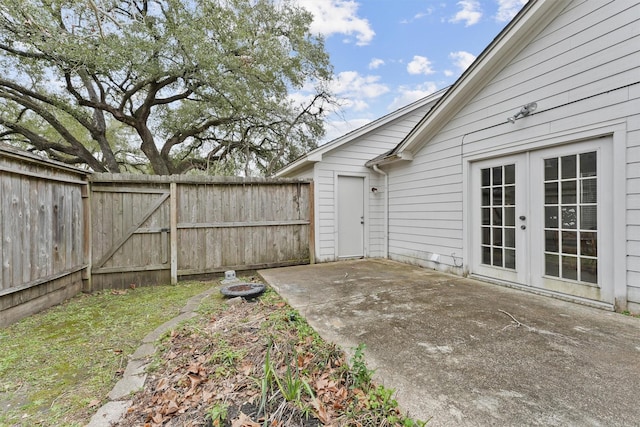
159, 166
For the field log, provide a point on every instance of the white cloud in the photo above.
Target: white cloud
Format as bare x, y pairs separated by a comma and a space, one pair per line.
507, 9
375, 63
407, 95
338, 17
462, 59
448, 73
417, 16
470, 13
352, 86
420, 65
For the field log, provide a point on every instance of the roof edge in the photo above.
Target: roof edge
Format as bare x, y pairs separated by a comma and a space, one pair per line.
501, 49
315, 155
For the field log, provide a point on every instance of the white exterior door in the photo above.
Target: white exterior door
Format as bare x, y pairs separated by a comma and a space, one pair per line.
350, 217
543, 219
500, 218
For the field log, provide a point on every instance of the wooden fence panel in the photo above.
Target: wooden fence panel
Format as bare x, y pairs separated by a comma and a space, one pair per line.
41, 233
242, 226
220, 224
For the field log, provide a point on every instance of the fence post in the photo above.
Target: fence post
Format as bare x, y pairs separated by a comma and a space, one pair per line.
312, 225
173, 214
87, 285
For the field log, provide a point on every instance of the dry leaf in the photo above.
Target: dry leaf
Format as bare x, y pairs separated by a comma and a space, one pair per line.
163, 384
244, 420
246, 368
194, 368
323, 416
172, 408
207, 396
195, 380
94, 403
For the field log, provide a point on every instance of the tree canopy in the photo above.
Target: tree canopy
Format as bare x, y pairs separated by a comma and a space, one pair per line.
166, 86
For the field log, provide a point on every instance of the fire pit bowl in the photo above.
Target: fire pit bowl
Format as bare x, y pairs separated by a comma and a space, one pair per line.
246, 290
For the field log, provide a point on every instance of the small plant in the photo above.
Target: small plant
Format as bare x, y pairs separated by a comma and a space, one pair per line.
267, 378
226, 355
380, 406
361, 375
291, 385
217, 414
628, 313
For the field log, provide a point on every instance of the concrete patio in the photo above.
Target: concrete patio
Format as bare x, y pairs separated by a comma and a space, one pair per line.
464, 352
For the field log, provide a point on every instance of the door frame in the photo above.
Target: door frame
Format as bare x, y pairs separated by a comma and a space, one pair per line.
521, 143
365, 209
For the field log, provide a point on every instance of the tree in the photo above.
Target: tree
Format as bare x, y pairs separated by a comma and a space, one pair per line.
182, 84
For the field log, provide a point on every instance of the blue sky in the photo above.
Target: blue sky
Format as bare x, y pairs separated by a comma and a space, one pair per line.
389, 53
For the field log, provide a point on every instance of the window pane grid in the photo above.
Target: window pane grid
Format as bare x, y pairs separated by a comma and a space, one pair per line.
570, 234
498, 216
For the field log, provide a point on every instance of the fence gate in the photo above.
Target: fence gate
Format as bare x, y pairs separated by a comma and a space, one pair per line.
130, 233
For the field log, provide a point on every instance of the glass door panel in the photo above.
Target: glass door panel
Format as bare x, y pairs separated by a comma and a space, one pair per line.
498, 196
570, 223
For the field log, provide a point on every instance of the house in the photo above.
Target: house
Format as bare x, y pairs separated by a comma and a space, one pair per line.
526, 172
349, 200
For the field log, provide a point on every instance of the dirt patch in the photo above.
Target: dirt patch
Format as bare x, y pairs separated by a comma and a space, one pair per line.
252, 363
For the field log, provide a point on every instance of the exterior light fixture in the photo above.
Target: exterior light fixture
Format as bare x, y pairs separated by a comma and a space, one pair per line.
524, 111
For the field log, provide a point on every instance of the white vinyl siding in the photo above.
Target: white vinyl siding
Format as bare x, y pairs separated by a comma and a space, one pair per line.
583, 72
633, 200
349, 159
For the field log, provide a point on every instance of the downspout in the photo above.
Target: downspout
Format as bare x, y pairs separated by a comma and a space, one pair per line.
386, 209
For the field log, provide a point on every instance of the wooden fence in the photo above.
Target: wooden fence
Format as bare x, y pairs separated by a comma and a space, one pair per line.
63, 230
42, 233
153, 229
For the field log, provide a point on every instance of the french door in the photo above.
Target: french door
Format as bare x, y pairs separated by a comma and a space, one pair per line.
543, 219
500, 218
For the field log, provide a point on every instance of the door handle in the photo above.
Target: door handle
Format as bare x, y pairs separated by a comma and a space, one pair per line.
361, 220
522, 217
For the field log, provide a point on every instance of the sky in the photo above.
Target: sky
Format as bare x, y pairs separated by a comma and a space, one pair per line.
389, 53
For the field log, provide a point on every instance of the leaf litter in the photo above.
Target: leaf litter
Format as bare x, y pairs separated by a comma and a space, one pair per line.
253, 364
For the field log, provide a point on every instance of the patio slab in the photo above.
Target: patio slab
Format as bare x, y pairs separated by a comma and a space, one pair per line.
464, 352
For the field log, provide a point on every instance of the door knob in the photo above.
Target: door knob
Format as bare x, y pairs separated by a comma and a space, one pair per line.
522, 217
523, 227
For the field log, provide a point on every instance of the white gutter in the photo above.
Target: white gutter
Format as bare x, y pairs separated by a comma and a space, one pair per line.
386, 208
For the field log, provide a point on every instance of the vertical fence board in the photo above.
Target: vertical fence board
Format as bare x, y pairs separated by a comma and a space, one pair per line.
6, 233
25, 201
3, 196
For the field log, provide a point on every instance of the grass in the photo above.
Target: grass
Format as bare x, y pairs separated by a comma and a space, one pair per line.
628, 313
58, 366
